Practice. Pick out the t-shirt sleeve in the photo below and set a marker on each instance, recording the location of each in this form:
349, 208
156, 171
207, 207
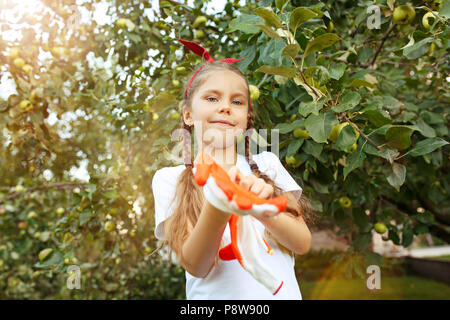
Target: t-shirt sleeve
163, 188
279, 174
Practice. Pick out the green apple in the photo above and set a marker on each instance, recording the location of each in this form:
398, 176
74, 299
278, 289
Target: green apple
13, 53
27, 68
199, 21
121, 23
336, 131
404, 14
45, 253
67, 237
22, 225
436, 4
345, 202
199, 34
426, 19
56, 52
60, 211
32, 215
180, 69
330, 27
19, 62
292, 161
175, 116
155, 116
301, 133
431, 49
25, 104
176, 83
380, 227
109, 226
254, 92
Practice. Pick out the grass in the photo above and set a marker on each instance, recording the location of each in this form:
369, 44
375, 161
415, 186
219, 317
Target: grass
444, 257
392, 288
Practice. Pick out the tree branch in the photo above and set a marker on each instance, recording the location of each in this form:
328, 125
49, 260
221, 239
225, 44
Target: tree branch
386, 35
61, 185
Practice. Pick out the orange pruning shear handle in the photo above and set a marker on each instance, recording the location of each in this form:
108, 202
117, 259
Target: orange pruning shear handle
246, 238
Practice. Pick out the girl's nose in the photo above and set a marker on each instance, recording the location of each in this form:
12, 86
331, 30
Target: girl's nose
225, 108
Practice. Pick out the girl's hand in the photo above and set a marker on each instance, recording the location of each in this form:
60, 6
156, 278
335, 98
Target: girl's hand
252, 183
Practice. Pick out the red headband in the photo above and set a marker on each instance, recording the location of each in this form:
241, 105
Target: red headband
202, 52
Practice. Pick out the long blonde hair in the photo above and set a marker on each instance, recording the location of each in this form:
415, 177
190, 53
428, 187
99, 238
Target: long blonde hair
189, 196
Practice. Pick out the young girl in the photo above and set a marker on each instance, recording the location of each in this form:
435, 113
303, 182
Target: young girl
217, 105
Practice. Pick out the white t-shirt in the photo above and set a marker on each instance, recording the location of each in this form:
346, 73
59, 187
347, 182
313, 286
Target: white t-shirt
228, 280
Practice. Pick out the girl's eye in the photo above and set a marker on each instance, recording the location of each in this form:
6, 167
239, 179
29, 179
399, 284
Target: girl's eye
216, 99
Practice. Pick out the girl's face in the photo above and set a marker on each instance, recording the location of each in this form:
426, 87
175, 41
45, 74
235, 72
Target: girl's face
219, 110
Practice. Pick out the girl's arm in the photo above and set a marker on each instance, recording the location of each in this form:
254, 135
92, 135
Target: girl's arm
200, 249
293, 233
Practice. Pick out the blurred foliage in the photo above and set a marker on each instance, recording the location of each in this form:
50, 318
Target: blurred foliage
110, 91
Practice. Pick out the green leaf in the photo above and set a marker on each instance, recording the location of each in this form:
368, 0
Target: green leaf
378, 117
313, 148
362, 220
373, 258
346, 138
85, 216
319, 126
425, 129
269, 32
354, 161
425, 217
308, 107
273, 106
361, 83
111, 194
321, 42
445, 9
247, 23
393, 235
56, 258
385, 152
348, 101
399, 137
280, 4
294, 146
288, 127
427, 146
270, 17
407, 237
309, 88
280, 70
362, 241
319, 72
291, 50
299, 16
397, 176
418, 49
337, 70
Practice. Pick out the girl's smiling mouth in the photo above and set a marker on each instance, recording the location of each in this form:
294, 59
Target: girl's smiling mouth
223, 122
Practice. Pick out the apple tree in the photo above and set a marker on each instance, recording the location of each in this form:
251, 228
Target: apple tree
358, 94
